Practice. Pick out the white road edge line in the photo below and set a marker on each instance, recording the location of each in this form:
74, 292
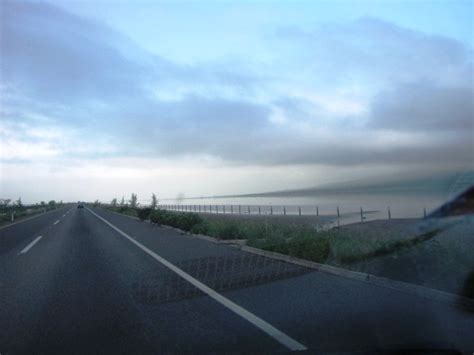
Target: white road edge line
56, 222
276, 334
29, 246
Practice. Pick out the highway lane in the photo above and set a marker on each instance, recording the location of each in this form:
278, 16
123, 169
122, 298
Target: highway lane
20, 232
83, 287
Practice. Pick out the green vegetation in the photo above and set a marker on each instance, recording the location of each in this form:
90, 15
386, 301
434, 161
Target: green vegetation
181, 220
154, 201
19, 210
133, 201
347, 249
335, 246
144, 213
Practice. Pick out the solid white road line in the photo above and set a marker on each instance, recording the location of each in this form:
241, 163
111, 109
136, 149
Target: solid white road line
276, 334
29, 246
56, 222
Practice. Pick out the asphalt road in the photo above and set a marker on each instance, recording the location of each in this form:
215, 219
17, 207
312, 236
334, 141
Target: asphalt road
99, 282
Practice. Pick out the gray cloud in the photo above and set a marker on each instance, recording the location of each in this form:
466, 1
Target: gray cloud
424, 106
52, 55
80, 73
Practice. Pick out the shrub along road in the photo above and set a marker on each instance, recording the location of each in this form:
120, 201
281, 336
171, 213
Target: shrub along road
97, 282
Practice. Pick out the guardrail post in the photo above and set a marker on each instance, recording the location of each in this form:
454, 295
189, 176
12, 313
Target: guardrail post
299, 210
284, 210
389, 213
259, 210
361, 215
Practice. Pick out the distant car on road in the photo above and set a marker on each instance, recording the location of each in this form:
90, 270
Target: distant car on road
80, 205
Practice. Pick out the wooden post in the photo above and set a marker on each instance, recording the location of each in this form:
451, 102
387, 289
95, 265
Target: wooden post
271, 210
338, 214
284, 210
424, 212
317, 211
389, 213
299, 210
361, 215
259, 210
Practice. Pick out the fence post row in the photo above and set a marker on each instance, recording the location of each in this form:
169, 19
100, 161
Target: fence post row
203, 208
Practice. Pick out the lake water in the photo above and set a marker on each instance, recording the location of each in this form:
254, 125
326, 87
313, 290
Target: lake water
374, 205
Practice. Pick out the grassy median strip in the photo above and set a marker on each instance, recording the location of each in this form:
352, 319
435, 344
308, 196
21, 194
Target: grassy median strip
337, 245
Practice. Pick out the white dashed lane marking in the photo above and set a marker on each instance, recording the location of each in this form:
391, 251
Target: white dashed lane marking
29, 246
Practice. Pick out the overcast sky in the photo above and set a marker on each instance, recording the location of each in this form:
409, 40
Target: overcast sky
101, 99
